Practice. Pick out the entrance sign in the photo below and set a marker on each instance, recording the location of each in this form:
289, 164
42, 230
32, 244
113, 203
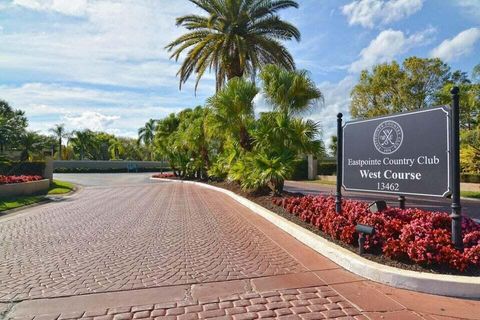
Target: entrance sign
403, 154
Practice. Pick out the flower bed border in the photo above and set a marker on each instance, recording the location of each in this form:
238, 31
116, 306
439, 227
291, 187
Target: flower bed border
24, 188
439, 284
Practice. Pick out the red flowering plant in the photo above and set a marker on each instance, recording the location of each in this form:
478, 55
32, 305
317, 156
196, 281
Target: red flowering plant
18, 179
414, 235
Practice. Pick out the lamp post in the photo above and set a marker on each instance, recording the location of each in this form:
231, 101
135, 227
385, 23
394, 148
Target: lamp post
338, 197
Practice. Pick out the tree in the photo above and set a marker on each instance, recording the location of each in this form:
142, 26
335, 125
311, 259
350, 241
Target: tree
146, 134
83, 143
13, 124
116, 148
469, 103
392, 88
236, 38
59, 132
476, 73
232, 110
290, 92
333, 145
31, 143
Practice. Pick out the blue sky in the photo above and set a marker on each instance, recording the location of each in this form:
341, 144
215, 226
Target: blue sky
101, 64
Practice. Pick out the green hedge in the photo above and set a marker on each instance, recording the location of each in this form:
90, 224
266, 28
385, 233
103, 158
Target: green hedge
14, 168
301, 171
470, 177
327, 169
108, 170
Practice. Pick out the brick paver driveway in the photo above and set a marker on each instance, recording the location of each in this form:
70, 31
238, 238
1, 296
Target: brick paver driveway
149, 250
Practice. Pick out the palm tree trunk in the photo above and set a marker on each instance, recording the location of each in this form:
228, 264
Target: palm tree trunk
245, 139
60, 149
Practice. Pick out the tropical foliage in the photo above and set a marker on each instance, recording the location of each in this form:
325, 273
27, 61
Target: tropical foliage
234, 38
225, 139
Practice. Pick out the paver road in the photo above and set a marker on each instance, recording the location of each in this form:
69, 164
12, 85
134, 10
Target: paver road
131, 237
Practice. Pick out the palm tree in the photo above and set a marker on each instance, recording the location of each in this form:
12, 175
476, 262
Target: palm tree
146, 134
31, 143
59, 132
233, 109
116, 148
82, 143
290, 92
236, 38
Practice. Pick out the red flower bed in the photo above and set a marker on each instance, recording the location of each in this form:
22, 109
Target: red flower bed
164, 175
18, 179
415, 235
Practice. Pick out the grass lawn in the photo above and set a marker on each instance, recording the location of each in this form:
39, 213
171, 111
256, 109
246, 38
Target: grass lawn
466, 194
57, 188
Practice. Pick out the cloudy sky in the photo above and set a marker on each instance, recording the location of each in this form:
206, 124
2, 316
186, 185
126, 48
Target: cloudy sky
101, 64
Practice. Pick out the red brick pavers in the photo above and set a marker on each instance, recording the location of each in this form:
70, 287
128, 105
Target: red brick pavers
122, 238
174, 251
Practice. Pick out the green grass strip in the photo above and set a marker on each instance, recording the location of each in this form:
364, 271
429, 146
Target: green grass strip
56, 188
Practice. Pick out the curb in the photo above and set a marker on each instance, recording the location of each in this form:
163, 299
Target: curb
446, 285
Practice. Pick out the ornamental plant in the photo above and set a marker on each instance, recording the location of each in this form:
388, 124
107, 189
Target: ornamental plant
409, 235
164, 175
18, 179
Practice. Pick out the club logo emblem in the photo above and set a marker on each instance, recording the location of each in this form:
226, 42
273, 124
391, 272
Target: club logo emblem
388, 137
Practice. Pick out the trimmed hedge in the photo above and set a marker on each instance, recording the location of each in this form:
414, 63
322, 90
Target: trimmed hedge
301, 170
35, 168
470, 177
108, 170
327, 168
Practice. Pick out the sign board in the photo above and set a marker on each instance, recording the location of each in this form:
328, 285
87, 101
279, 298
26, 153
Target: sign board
404, 154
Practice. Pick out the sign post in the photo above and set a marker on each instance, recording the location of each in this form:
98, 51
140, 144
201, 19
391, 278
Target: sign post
456, 207
338, 197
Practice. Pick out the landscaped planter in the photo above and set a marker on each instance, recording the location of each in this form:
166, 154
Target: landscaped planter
24, 188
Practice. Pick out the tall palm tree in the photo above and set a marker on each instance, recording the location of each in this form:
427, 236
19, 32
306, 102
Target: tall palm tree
290, 92
235, 38
146, 134
59, 132
233, 109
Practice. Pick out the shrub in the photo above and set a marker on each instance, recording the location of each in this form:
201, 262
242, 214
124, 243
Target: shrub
327, 168
35, 168
470, 177
415, 235
107, 170
18, 179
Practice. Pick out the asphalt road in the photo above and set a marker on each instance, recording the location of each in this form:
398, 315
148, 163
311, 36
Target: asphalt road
470, 208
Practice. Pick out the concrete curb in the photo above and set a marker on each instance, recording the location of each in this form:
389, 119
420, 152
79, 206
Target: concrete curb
447, 285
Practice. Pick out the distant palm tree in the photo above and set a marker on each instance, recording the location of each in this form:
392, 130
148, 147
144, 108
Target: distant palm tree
146, 134
82, 142
59, 132
236, 38
116, 148
31, 143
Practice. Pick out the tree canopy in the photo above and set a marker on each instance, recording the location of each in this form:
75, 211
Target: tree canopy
234, 38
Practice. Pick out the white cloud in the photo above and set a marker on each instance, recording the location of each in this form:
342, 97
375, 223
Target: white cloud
368, 13
67, 7
470, 7
387, 45
460, 45
90, 120
337, 99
